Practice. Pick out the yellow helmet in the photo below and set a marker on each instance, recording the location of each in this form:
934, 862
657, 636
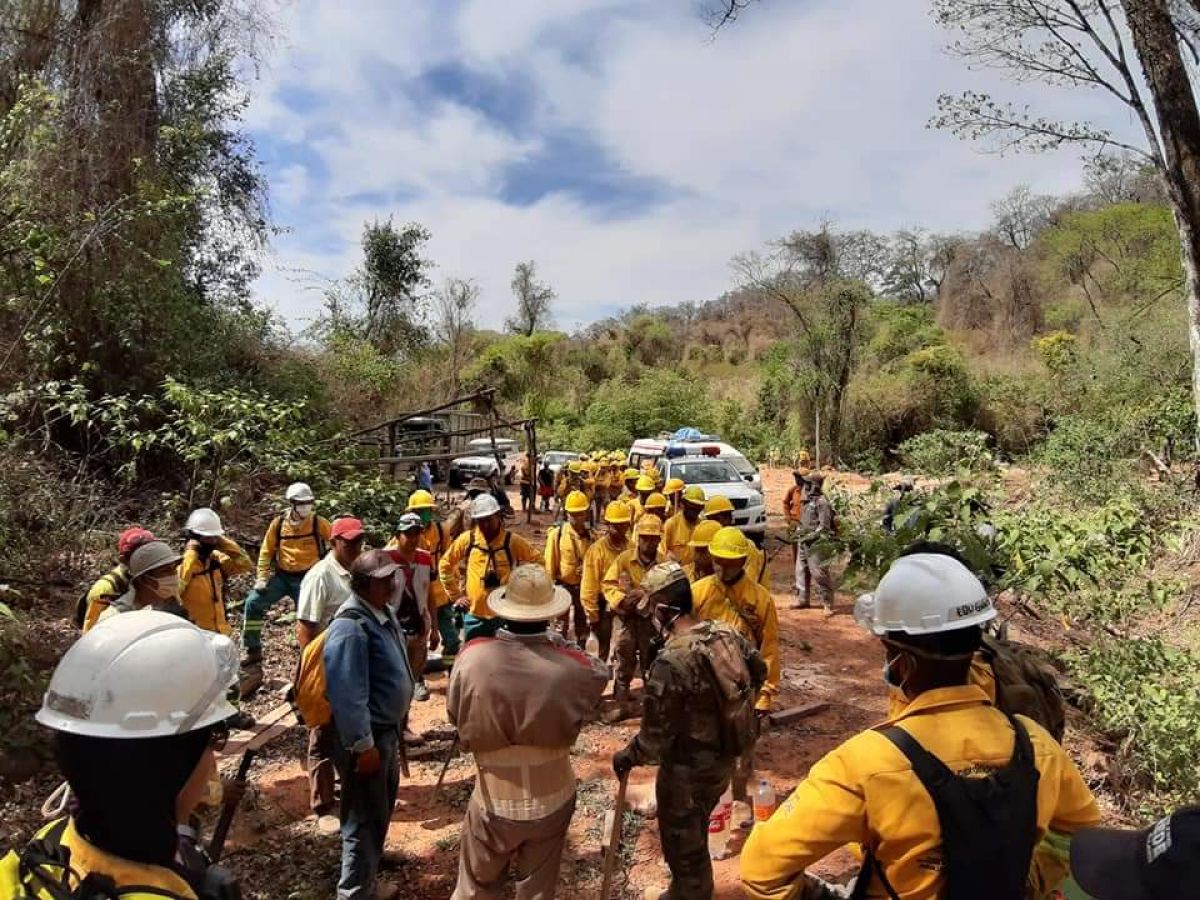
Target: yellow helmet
645, 483
574, 467
703, 533
729, 543
717, 505
590, 467
630, 473
649, 526
421, 500
577, 502
656, 501
694, 494
618, 513
674, 486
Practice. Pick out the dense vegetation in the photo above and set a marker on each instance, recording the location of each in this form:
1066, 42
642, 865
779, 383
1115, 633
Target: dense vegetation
138, 378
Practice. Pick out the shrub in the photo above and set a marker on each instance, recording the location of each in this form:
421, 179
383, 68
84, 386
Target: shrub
943, 452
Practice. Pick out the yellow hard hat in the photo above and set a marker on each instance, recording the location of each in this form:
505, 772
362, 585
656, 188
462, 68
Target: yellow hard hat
630, 473
729, 543
590, 467
694, 494
802, 456
577, 502
717, 505
645, 483
574, 467
421, 500
618, 513
674, 486
703, 533
649, 526
656, 501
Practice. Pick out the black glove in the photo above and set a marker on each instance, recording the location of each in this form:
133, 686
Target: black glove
622, 762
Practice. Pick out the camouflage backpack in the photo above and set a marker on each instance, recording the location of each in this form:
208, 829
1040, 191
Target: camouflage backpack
1026, 683
734, 687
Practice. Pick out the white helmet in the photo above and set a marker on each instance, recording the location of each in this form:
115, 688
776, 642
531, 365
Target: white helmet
299, 493
204, 522
145, 674
483, 506
925, 593
150, 556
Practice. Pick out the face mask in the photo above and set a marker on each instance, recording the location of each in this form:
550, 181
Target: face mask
426, 516
304, 510
164, 586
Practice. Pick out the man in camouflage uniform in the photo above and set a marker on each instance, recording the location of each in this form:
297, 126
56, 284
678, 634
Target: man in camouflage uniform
683, 729
816, 523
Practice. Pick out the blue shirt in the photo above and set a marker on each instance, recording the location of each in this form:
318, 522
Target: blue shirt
368, 680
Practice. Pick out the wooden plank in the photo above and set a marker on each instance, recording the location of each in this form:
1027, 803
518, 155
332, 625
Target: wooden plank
795, 713
266, 729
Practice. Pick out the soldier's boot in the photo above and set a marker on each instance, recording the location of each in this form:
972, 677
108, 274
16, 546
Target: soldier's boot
622, 706
251, 677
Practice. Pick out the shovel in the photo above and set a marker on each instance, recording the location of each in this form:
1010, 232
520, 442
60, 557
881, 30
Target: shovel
613, 851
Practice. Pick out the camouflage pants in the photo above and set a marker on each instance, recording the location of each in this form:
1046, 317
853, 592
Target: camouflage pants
812, 569
631, 646
686, 797
582, 630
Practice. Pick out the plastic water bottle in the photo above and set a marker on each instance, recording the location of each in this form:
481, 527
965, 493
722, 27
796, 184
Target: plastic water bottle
718, 827
764, 801
593, 645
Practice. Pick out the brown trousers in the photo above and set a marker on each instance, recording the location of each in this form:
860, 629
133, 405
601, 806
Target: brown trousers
417, 646
489, 843
322, 773
582, 631
632, 635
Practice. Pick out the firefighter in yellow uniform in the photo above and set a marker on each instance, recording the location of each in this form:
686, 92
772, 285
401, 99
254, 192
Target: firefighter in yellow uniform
596, 562
603, 485
875, 789
435, 540
633, 630
677, 532
629, 480
720, 509
210, 558
642, 490
732, 597
673, 490
567, 545
702, 563
489, 552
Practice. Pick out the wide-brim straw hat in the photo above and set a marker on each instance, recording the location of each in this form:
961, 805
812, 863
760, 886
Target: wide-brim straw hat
529, 596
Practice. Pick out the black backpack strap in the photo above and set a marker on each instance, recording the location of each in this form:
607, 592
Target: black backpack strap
928, 768
316, 536
508, 550
871, 866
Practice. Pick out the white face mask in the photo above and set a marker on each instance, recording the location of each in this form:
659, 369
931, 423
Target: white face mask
165, 586
303, 510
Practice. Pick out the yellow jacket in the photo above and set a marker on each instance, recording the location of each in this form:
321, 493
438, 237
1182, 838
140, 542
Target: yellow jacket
626, 564
756, 564
748, 608
565, 552
101, 594
87, 859
202, 583
865, 792
596, 562
480, 557
676, 533
435, 539
292, 547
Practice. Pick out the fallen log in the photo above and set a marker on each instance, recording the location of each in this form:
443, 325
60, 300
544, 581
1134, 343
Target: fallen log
795, 713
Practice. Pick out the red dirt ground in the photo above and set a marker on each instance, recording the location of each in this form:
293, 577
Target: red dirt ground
829, 660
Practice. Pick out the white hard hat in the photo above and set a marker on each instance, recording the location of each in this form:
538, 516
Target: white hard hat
925, 593
483, 506
150, 556
204, 522
299, 493
141, 675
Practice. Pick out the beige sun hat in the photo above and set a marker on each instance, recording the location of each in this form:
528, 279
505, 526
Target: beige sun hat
529, 596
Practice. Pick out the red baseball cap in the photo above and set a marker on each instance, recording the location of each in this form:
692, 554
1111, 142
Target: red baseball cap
348, 528
132, 538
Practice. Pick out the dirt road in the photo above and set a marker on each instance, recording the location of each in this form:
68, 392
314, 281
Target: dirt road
277, 850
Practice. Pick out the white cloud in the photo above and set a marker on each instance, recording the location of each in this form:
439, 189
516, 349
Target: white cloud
798, 112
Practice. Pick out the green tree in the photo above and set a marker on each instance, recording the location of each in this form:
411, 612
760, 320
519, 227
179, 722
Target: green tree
534, 299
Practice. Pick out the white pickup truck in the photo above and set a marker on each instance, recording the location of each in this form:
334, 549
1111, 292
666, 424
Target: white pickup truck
480, 461
718, 477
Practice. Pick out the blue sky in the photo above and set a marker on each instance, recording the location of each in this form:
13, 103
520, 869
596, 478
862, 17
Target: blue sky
614, 142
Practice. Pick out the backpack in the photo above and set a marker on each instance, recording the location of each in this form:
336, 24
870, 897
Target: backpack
117, 579
315, 535
988, 824
310, 700
42, 871
734, 689
1026, 684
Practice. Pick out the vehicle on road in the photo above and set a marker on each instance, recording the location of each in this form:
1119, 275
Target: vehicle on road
480, 461
557, 459
718, 477
695, 444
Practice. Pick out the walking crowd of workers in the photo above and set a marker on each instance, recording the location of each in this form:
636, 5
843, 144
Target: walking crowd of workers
953, 796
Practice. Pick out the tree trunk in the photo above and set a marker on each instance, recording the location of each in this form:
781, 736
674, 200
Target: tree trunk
1157, 46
